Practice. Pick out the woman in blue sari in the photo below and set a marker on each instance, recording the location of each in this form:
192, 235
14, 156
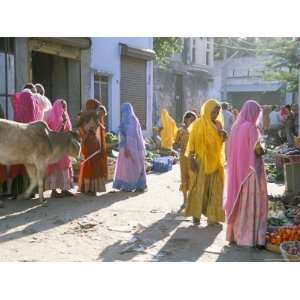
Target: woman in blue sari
130, 174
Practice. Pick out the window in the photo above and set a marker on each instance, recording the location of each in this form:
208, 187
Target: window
101, 88
194, 51
207, 58
194, 55
7, 74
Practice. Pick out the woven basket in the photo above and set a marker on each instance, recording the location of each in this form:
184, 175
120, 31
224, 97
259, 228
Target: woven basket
111, 165
286, 256
273, 248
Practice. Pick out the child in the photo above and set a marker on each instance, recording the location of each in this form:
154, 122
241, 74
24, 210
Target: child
181, 141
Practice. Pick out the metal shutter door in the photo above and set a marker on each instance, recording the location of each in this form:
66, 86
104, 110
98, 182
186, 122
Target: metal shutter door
133, 86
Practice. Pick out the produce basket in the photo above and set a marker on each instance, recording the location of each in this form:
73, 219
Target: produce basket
287, 248
273, 248
111, 165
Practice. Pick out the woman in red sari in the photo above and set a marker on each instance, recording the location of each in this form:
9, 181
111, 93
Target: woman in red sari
93, 170
60, 174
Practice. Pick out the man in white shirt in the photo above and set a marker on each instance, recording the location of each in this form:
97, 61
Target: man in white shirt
275, 125
228, 122
275, 119
228, 117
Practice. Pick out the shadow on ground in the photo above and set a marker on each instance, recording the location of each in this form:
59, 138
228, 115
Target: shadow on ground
56, 213
247, 254
188, 244
147, 238
180, 246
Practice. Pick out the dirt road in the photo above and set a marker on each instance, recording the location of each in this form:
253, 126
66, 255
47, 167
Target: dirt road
115, 227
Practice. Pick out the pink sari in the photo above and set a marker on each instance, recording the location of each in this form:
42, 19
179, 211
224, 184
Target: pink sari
245, 201
26, 107
55, 123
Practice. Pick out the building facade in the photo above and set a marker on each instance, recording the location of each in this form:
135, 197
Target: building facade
238, 79
61, 65
122, 71
185, 82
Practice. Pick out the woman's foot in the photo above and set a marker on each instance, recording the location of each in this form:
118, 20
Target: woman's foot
55, 194
67, 193
196, 221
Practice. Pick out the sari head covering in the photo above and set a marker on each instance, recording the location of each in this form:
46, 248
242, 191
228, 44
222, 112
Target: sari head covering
55, 116
241, 152
130, 171
26, 107
130, 130
92, 104
205, 140
168, 133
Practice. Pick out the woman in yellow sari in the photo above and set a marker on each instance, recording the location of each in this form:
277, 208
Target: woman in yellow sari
168, 130
206, 154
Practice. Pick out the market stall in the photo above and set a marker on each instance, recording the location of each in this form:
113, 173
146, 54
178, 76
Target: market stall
283, 235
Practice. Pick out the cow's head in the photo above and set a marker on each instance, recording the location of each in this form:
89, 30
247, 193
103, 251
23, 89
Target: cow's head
74, 144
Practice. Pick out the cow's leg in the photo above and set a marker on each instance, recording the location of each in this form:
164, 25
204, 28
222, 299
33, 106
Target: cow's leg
31, 171
40, 181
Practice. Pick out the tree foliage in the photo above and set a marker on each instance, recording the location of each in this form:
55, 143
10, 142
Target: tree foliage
227, 46
282, 60
281, 55
165, 47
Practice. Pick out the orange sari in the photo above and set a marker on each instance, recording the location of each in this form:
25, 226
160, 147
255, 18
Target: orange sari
93, 172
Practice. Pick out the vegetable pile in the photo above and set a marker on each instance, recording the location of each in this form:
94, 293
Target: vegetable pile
283, 235
111, 138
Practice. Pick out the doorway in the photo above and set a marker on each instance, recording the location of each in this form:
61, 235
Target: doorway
60, 77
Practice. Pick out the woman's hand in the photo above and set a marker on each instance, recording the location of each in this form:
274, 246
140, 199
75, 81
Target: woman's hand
223, 134
194, 164
259, 149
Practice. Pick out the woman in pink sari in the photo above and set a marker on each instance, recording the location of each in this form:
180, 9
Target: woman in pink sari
60, 174
246, 203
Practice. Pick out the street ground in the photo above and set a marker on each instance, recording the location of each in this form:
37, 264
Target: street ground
117, 226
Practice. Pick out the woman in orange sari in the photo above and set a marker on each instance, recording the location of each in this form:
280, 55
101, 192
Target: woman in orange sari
93, 170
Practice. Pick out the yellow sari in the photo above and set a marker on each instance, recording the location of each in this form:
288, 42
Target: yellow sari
206, 191
169, 130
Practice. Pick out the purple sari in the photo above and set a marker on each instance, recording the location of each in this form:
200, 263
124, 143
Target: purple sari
130, 174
